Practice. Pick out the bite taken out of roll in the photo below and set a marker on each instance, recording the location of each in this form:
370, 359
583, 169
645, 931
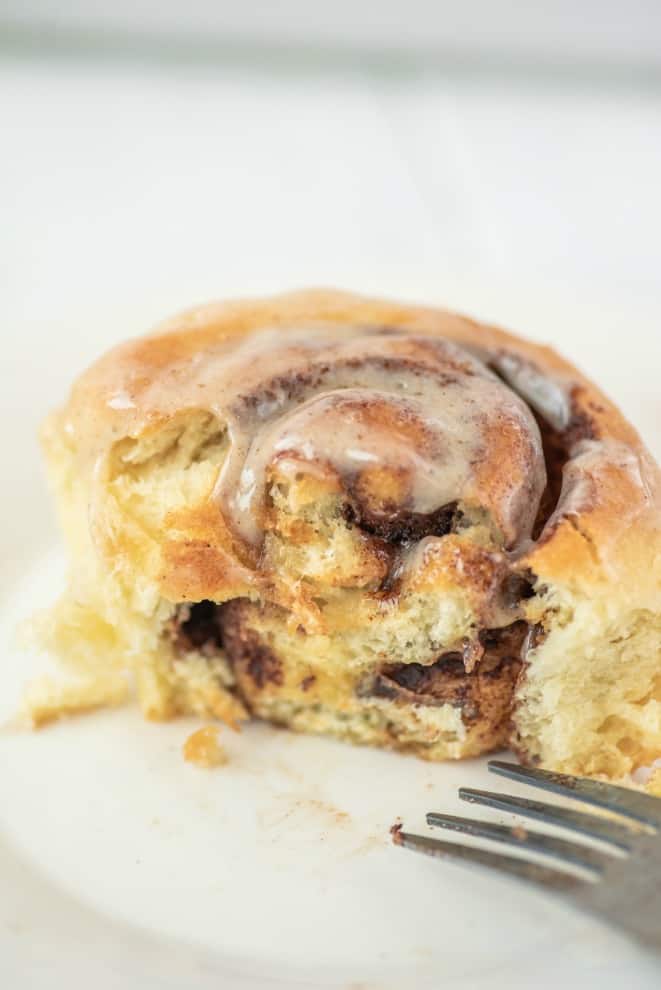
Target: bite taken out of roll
382, 522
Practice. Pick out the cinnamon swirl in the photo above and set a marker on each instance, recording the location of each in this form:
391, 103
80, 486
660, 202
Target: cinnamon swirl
390, 524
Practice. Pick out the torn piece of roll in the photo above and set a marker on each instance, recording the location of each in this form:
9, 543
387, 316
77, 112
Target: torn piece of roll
382, 522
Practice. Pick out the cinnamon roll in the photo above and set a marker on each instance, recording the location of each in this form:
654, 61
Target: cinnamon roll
390, 524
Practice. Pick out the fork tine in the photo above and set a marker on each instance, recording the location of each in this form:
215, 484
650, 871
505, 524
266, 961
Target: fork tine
595, 827
522, 869
535, 842
630, 804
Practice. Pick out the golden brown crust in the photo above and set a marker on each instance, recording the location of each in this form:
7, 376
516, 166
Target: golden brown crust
622, 484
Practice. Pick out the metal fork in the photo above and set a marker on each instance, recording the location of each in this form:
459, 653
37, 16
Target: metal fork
621, 882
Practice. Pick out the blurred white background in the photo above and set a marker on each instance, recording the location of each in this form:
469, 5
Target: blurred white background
619, 31
497, 156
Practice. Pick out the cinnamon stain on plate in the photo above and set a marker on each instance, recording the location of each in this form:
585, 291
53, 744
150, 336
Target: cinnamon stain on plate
312, 813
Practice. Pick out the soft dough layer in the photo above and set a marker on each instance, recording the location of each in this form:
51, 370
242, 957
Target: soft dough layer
386, 523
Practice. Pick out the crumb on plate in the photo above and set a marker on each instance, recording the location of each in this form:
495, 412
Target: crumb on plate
203, 749
395, 831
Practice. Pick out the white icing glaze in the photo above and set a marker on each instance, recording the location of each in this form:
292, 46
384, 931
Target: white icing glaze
405, 424
546, 395
343, 401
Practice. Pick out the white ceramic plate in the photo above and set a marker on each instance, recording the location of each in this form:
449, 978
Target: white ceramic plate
122, 865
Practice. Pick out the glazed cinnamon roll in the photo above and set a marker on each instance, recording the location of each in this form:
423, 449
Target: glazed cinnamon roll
385, 523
